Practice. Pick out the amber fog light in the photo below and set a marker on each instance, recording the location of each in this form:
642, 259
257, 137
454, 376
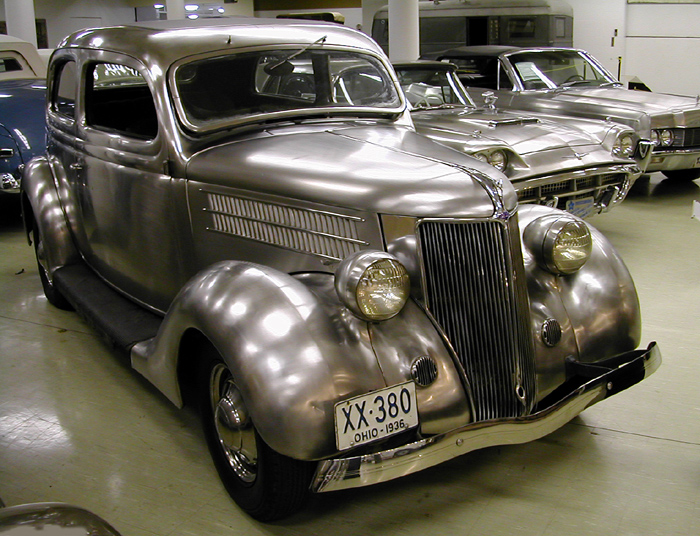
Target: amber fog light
560, 243
372, 284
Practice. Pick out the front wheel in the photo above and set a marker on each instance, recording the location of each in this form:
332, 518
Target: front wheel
683, 174
264, 483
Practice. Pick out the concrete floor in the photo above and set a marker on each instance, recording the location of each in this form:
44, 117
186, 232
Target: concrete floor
78, 426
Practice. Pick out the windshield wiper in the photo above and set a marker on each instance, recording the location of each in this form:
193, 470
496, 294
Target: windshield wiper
282, 67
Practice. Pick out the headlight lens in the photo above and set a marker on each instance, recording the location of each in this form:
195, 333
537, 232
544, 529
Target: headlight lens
624, 146
666, 137
560, 243
497, 159
655, 139
372, 284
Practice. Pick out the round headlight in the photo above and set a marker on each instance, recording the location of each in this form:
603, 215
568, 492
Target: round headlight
560, 243
655, 138
624, 146
666, 137
498, 160
481, 156
372, 284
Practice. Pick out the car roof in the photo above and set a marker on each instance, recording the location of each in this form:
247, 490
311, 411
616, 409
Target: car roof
481, 50
32, 66
164, 42
422, 64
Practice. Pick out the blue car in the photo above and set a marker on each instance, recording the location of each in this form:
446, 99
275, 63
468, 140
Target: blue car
22, 100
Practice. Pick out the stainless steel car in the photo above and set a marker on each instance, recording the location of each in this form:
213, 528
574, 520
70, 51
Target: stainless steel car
579, 165
346, 300
571, 82
22, 96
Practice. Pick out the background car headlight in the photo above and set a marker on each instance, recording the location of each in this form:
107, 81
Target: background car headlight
372, 284
561, 244
497, 158
664, 137
624, 146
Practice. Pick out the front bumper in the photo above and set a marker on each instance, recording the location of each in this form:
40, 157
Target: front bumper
591, 383
674, 160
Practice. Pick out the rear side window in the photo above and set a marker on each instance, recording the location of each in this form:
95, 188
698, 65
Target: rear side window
9, 64
65, 89
118, 99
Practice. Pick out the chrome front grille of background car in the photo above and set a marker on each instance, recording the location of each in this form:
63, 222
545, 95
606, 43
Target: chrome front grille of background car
567, 188
475, 289
328, 235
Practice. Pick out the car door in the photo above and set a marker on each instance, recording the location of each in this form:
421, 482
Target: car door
117, 182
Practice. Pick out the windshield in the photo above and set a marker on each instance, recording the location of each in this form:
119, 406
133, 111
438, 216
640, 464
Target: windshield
557, 68
430, 88
259, 86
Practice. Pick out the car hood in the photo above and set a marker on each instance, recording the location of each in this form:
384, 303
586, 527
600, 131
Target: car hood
619, 104
375, 168
522, 133
22, 109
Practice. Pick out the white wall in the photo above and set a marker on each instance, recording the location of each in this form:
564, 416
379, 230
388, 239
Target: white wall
658, 43
66, 16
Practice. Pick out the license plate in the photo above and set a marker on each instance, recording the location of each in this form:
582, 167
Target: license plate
380, 414
581, 207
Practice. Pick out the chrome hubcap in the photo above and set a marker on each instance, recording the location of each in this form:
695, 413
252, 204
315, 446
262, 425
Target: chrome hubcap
233, 427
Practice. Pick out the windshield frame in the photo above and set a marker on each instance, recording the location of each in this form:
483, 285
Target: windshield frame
509, 63
450, 71
330, 112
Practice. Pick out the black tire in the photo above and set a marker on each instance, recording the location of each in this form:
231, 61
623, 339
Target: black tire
265, 484
52, 294
683, 174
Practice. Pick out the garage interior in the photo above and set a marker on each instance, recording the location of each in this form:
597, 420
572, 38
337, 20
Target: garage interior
79, 426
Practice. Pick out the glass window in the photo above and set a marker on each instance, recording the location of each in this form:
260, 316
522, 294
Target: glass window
118, 99
551, 69
235, 87
65, 89
9, 64
521, 27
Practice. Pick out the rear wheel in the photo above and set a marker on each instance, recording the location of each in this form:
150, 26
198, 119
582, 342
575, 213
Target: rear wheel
264, 483
683, 174
52, 294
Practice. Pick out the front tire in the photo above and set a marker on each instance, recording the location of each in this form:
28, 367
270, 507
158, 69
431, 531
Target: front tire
265, 484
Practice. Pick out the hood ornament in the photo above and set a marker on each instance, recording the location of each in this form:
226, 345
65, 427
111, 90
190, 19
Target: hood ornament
489, 100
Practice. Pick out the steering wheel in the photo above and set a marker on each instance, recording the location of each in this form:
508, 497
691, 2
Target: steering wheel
575, 77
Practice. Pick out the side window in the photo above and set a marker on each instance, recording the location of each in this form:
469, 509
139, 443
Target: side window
118, 99
65, 89
504, 81
9, 64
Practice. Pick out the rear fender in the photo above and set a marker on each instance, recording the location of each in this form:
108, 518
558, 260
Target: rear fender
41, 206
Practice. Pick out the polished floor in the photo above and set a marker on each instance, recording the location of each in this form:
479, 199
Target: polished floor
78, 426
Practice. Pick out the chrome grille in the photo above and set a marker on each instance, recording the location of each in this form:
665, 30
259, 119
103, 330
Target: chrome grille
475, 289
570, 188
327, 235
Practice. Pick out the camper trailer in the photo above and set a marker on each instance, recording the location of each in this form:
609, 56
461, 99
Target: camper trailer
449, 24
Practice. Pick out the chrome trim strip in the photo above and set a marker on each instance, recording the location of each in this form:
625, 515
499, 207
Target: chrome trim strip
358, 471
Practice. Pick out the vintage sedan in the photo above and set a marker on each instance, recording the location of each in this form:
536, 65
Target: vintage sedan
345, 299
579, 165
571, 82
22, 108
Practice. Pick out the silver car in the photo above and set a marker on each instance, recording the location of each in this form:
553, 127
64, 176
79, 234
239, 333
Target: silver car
579, 165
566, 81
345, 300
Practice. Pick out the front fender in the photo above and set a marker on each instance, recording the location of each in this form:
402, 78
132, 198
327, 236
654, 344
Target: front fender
290, 359
295, 351
41, 206
597, 307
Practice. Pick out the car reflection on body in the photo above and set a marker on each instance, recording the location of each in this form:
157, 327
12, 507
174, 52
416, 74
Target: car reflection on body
583, 166
571, 82
22, 96
346, 300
